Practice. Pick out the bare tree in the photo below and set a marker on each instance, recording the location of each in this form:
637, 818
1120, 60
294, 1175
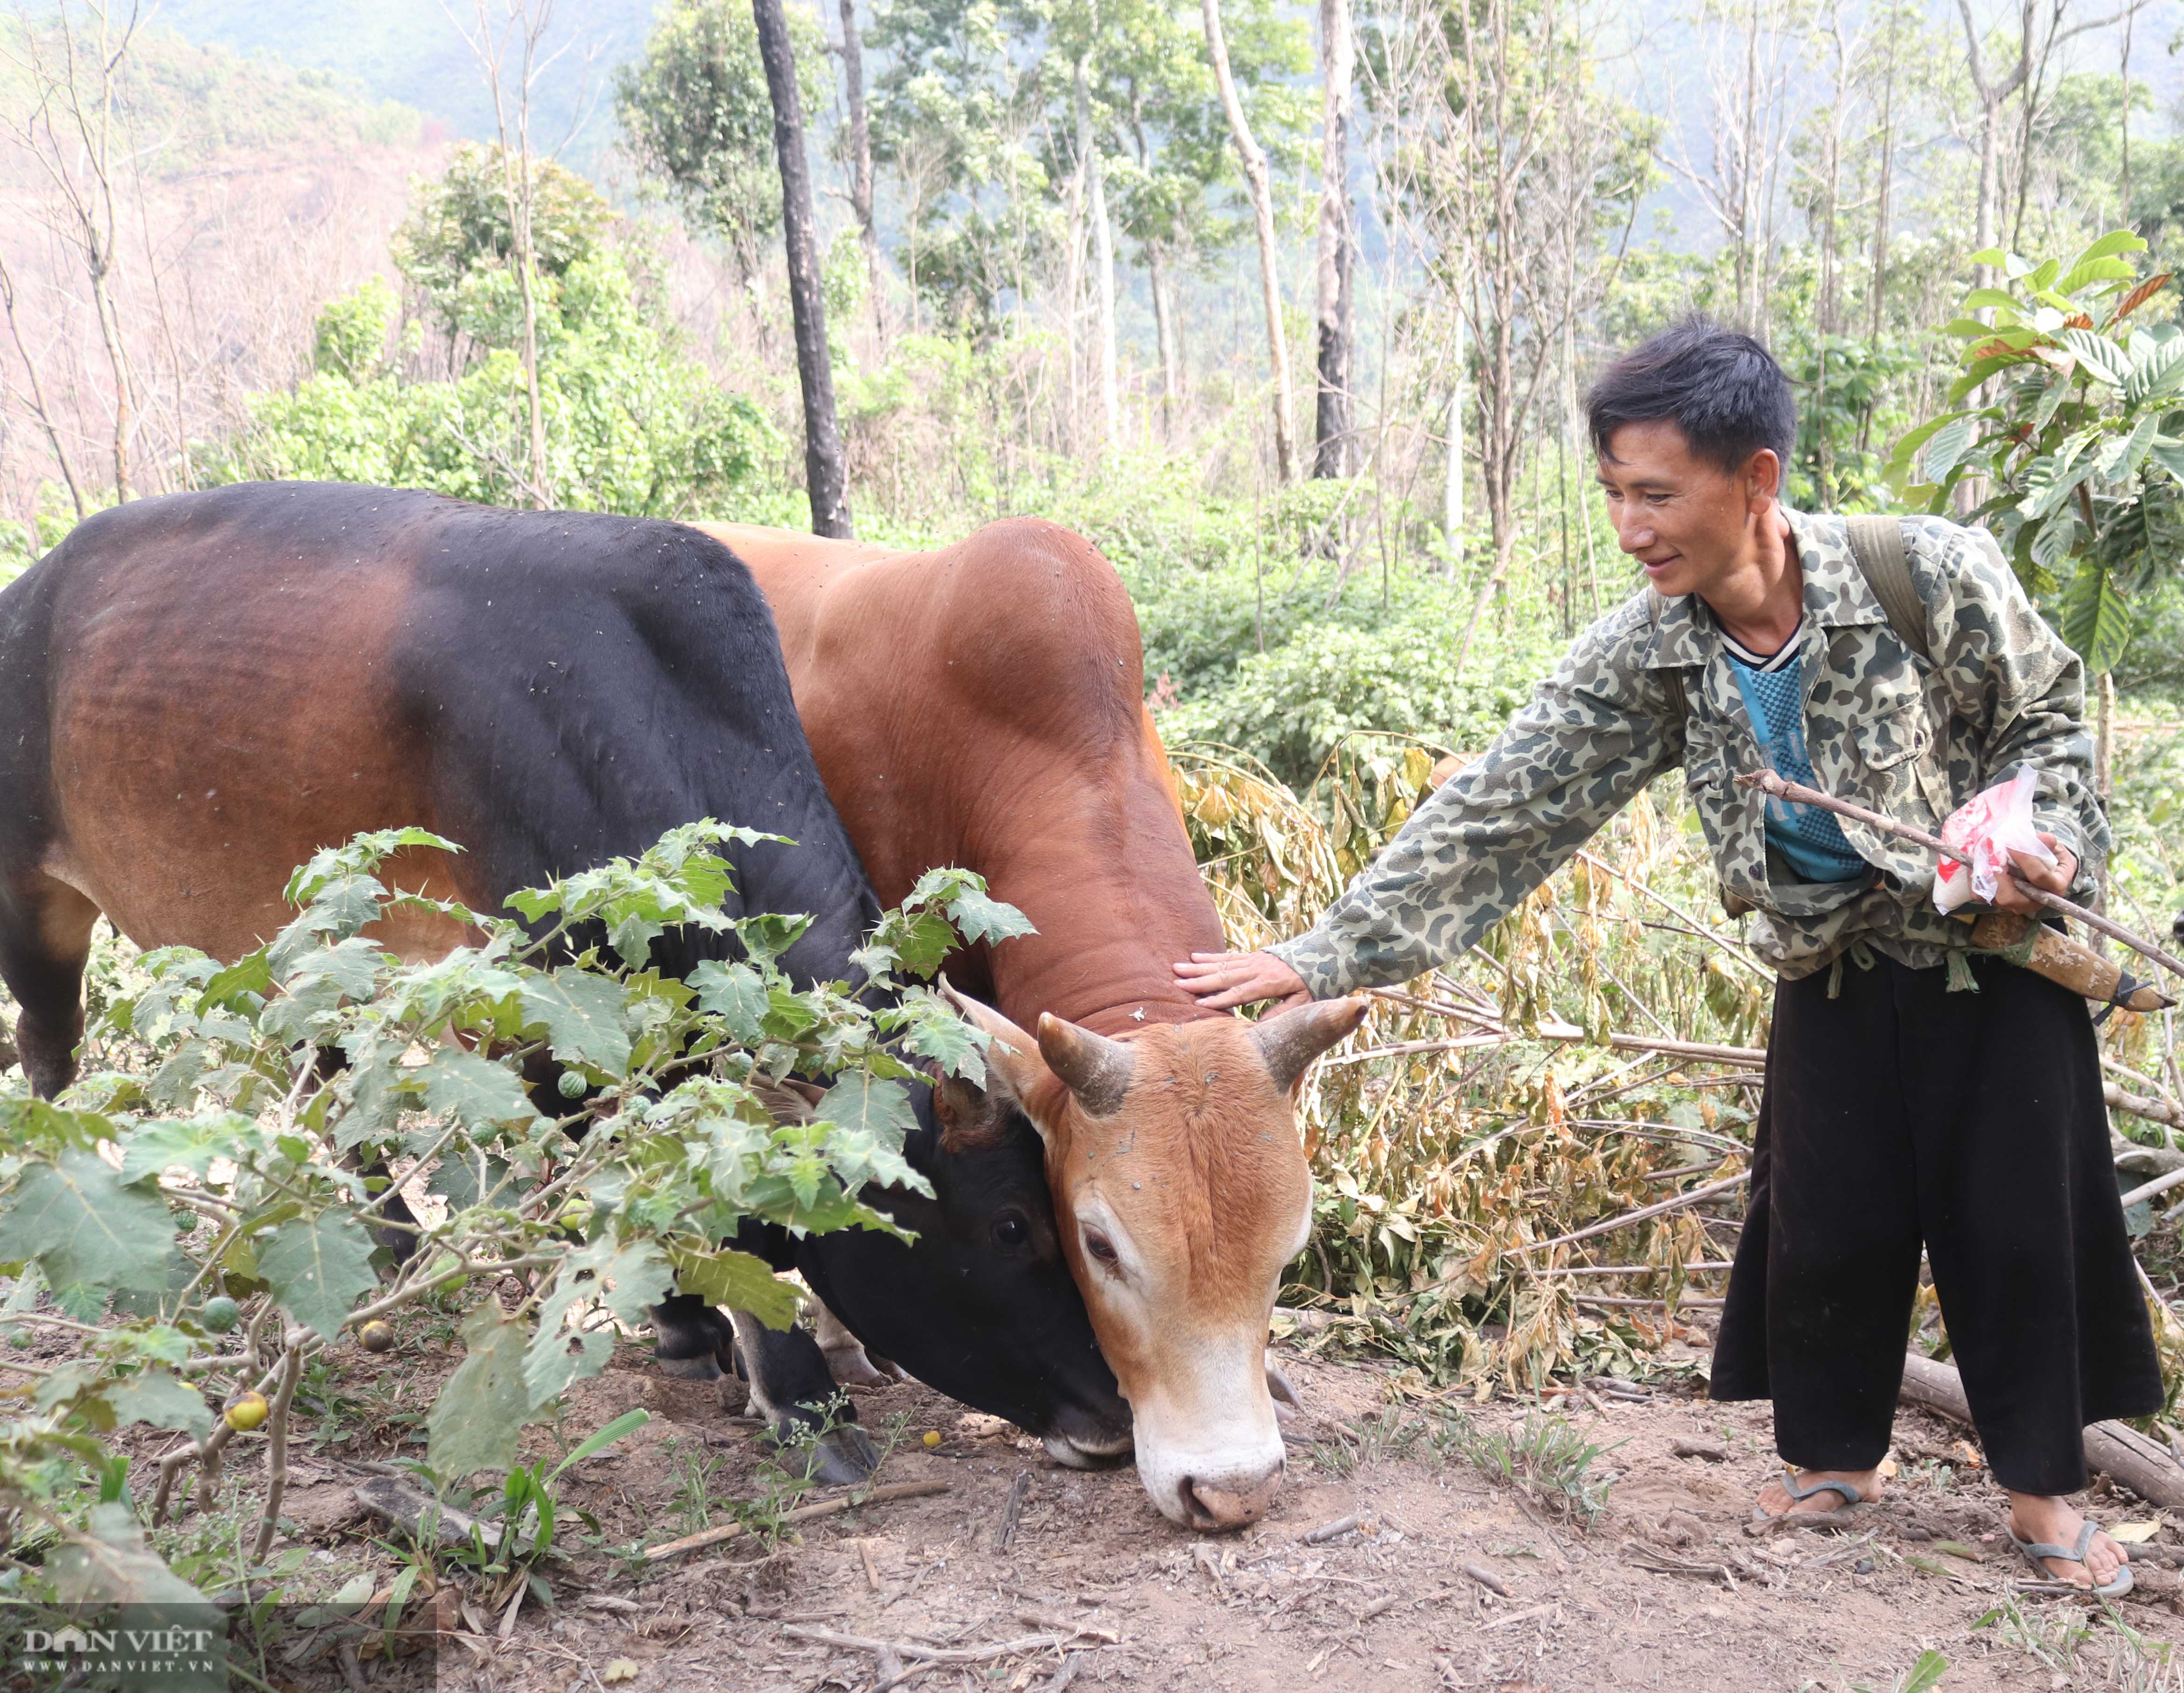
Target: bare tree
520, 26
69, 124
1526, 160
1333, 418
2040, 30
826, 475
1103, 262
860, 161
1262, 209
1750, 109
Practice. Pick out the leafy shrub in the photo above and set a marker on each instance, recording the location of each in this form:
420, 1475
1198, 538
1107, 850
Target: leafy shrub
1292, 705
234, 1152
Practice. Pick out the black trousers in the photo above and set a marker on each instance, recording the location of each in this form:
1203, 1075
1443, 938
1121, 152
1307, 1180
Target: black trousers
1899, 1113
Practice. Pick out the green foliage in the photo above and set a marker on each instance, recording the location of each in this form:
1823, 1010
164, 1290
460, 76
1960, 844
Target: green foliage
459, 238
630, 427
2080, 440
1330, 671
602, 1203
698, 116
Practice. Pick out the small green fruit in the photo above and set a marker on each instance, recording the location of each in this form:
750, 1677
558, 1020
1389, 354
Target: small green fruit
221, 1315
19, 1340
572, 1083
247, 1413
375, 1337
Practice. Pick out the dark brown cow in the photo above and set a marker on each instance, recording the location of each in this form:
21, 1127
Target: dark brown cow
199, 692
981, 706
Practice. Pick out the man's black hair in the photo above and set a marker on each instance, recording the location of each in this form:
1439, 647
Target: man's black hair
1723, 389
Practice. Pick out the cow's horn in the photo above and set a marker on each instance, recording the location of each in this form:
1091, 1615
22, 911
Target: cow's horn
1096, 1069
1289, 1040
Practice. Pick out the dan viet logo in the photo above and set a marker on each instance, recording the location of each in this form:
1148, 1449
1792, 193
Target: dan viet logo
138, 1652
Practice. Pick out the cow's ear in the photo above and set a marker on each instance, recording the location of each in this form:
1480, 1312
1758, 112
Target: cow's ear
972, 1118
1016, 1075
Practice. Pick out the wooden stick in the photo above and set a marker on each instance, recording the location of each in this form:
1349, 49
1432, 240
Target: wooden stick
828, 1637
803, 1513
1495, 1032
1642, 1214
1797, 793
1007, 1531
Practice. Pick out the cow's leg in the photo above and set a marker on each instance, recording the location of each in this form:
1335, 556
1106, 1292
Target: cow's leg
847, 1361
691, 1340
45, 941
791, 1388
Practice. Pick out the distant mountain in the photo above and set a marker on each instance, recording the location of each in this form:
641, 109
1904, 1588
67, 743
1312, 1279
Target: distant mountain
411, 51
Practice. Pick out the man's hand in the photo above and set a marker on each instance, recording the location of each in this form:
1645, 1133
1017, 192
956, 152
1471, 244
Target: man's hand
2055, 878
1221, 980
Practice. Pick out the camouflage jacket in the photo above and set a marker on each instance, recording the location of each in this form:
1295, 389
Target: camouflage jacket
1910, 740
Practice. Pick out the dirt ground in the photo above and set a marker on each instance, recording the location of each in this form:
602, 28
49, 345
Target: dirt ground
1449, 1578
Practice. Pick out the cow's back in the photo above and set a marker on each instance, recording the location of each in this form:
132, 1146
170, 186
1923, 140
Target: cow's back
980, 705
213, 685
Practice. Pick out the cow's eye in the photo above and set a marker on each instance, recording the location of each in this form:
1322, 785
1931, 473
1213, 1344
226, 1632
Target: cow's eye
1011, 1231
1102, 1250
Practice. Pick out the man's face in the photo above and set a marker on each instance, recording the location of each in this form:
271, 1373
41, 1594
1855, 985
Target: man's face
1687, 521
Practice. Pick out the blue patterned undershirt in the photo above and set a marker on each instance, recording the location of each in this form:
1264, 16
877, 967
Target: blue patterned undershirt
1810, 839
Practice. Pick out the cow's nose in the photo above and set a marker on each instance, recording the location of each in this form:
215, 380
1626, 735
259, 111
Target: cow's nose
1213, 1508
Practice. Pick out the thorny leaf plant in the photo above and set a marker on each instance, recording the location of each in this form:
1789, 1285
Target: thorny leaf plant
227, 1166
2068, 418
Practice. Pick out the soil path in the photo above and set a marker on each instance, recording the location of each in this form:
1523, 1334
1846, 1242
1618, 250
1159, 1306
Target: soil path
1449, 1578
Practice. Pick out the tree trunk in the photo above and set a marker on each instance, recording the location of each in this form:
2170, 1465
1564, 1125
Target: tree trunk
1262, 207
1878, 304
1452, 496
861, 161
1163, 332
823, 470
1333, 419
519, 202
1073, 275
1103, 264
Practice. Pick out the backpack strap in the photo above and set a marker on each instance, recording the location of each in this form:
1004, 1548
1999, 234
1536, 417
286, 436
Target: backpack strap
1877, 544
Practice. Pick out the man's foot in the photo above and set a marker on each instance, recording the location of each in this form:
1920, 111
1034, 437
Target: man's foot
2050, 1519
1775, 1500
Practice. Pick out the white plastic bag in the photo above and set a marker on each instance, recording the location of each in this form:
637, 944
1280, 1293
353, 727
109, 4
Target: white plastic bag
1988, 826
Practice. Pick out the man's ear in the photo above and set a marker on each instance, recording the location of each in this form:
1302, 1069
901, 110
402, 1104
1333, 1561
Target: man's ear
1763, 476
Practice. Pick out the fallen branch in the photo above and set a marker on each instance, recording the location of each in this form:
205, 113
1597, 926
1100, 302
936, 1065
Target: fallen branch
1493, 1030
803, 1513
2159, 1185
1797, 793
2116, 1449
908, 1649
1678, 1202
1615, 1298
2138, 1105
1006, 1531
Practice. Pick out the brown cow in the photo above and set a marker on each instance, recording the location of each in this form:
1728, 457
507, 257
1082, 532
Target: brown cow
982, 706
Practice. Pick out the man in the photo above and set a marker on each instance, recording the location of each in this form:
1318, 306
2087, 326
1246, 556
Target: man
1922, 1094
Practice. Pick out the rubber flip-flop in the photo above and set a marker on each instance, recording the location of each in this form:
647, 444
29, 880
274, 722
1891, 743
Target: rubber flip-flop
1847, 1491
2049, 1582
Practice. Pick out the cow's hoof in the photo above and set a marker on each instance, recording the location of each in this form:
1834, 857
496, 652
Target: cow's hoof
1287, 1405
852, 1365
841, 1458
690, 1369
